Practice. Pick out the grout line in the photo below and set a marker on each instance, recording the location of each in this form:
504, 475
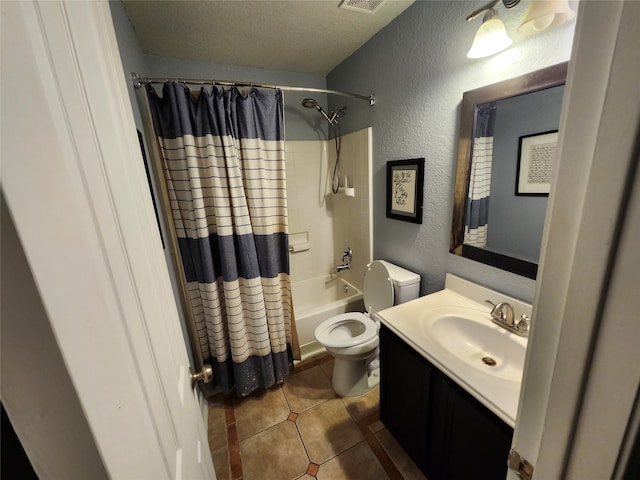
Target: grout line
306, 452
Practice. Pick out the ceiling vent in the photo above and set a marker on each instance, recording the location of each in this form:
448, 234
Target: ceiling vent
364, 6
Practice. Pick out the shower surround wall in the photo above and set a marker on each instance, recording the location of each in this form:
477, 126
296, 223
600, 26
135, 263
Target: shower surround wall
331, 221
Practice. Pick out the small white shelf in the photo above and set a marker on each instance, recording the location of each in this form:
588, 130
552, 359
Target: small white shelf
348, 191
299, 242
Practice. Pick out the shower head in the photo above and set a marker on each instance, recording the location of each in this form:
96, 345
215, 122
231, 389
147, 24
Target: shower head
312, 103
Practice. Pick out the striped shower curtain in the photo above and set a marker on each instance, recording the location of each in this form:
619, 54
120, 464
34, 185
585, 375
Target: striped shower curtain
224, 166
477, 210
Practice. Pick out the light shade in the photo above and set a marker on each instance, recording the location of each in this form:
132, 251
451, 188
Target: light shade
490, 38
545, 14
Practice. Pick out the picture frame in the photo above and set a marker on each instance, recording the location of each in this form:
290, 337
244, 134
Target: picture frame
535, 160
405, 182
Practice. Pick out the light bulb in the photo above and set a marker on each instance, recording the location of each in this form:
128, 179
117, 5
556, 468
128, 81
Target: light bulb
490, 38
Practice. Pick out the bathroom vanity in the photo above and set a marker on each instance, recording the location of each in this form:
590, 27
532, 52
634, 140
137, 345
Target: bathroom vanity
445, 431
450, 411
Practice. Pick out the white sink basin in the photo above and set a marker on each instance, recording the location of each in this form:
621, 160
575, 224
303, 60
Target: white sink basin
470, 336
453, 330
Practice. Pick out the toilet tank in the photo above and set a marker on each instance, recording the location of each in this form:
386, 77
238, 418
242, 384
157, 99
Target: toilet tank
406, 284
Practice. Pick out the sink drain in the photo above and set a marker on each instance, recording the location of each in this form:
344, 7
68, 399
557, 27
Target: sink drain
489, 361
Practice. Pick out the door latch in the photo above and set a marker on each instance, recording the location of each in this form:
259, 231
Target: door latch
520, 465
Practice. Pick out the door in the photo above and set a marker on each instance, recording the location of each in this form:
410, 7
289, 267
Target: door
581, 379
74, 183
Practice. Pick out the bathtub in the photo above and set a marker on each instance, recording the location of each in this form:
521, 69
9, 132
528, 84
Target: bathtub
315, 300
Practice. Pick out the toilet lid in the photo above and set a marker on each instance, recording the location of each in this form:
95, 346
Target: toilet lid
378, 288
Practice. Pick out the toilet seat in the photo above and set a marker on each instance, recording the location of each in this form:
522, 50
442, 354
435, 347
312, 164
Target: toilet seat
352, 337
346, 330
354, 328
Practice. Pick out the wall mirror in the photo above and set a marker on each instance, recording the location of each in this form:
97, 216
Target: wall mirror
495, 220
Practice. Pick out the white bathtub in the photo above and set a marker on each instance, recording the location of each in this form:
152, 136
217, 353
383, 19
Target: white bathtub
317, 299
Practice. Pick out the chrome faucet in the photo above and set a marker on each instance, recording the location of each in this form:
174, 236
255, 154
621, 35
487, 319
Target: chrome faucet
502, 314
498, 312
347, 255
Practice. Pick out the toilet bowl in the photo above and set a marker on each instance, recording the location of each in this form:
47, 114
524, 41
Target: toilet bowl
351, 334
352, 337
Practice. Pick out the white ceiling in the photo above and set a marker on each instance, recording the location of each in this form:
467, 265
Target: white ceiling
305, 36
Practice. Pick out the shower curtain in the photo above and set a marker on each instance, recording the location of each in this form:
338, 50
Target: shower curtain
477, 211
223, 161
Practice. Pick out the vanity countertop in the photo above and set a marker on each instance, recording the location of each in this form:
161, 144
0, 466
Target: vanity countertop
498, 388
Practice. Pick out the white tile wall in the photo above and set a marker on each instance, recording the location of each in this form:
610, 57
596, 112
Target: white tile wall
332, 221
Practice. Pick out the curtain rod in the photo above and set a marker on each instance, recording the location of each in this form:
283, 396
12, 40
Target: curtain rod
138, 81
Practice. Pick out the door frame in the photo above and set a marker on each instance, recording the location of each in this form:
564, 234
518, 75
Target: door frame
74, 182
573, 330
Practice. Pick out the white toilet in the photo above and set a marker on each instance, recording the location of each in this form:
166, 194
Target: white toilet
352, 338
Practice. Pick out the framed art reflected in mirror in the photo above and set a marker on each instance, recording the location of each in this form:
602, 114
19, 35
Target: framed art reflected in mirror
535, 160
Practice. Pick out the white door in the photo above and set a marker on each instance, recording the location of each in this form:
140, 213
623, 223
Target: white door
74, 182
583, 364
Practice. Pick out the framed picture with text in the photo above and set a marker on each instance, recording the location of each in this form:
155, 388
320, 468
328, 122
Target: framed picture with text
405, 180
535, 160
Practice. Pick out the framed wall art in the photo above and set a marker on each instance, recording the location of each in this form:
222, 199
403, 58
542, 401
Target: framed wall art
535, 160
405, 180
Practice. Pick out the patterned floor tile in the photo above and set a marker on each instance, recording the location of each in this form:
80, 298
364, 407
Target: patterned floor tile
327, 430
216, 420
307, 389
274, 454
363, 405
357, 462
317, 434
259, 411
221, 463
398, 456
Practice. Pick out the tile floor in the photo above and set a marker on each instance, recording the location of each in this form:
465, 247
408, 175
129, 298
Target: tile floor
303, 430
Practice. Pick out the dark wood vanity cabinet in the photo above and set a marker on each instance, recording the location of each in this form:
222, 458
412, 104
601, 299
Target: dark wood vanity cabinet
445, 431
405, 380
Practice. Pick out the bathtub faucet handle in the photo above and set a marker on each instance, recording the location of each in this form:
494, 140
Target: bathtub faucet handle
347, 255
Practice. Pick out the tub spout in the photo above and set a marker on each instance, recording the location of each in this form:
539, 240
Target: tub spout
344, 266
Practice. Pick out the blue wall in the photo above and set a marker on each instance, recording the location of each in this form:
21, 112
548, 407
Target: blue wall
516, 222
418, 70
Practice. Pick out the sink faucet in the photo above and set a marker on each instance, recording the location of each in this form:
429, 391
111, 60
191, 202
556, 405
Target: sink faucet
502, 314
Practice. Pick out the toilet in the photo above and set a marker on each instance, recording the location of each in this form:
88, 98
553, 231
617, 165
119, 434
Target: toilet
352, 338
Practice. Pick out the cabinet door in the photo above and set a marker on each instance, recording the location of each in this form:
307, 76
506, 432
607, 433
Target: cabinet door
466, 441
404, 395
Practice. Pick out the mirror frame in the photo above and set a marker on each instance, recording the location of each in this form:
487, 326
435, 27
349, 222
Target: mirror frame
539, 80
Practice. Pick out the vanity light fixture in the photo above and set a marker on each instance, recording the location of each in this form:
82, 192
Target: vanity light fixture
492, 35
545, 14
490, 38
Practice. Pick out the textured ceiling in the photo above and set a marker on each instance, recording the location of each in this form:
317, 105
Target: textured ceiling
305, 36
